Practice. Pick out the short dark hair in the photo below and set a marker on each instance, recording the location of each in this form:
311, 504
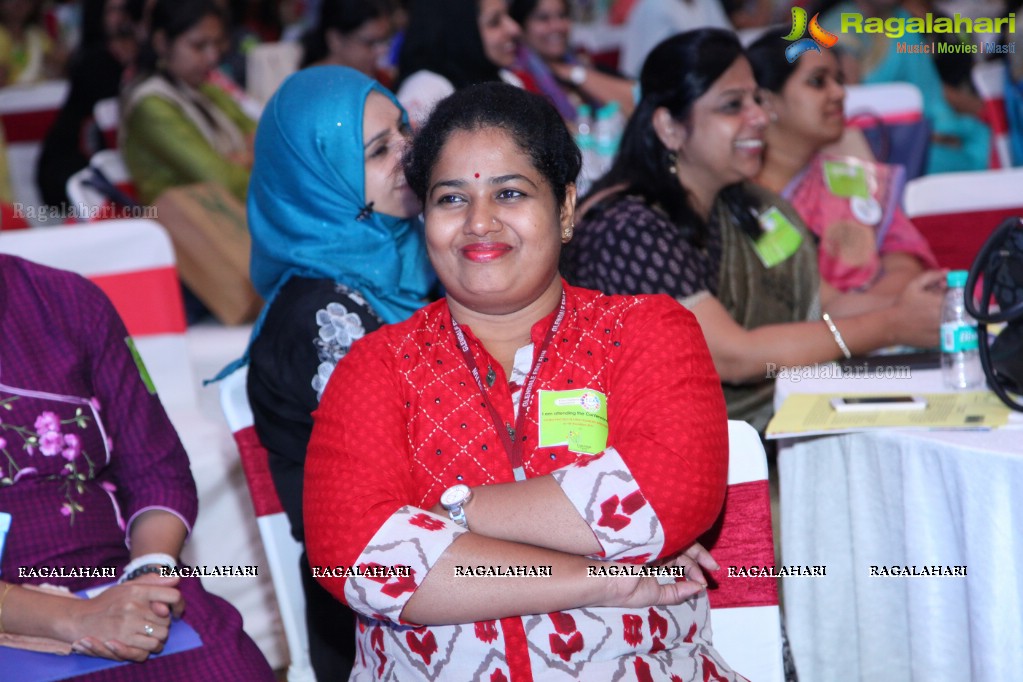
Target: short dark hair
767, 57
519, 10
529, 119
345, 17
676, 73
443, 36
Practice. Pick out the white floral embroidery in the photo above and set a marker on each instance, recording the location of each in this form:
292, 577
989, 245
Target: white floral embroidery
339, 329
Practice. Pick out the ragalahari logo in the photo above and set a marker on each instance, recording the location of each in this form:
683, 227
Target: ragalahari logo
818, 36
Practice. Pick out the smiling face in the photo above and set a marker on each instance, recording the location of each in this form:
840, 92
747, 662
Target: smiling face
193, 55
498, 31
811, 103
493, 226
722, 141
384, 136
546, 29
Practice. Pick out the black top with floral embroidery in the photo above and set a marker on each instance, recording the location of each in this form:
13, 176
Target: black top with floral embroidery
310, 326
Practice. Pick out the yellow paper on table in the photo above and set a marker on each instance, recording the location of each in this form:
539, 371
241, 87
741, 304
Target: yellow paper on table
810, 414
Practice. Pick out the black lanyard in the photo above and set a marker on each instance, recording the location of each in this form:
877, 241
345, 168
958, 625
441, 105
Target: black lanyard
512, 445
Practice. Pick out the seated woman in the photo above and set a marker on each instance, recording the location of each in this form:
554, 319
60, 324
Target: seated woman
176, 128
355, 33
512, 424
27, 53
866, 243
547, 65
450, 44
674, 216
959, 141
95, 478
337, 251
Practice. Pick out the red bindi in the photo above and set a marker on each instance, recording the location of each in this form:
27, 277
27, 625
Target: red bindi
477, 175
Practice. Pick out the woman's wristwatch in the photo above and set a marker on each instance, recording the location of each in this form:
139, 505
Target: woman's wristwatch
454, 500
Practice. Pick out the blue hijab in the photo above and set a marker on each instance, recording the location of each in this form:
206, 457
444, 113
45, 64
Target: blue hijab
307, 205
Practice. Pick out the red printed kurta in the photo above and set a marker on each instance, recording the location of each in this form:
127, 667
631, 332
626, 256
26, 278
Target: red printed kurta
402, 420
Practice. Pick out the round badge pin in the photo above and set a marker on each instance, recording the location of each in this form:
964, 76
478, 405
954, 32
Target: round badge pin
867, 210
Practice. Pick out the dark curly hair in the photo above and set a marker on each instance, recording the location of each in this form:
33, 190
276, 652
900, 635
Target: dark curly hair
529, 119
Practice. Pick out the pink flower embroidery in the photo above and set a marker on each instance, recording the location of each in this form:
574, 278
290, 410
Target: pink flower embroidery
3, 443
73, 449
65, 509
50, 443
24, 472
47, 422
94, 401
108, 486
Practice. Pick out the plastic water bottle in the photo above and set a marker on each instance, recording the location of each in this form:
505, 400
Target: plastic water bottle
587, 147
960, 358
607, 132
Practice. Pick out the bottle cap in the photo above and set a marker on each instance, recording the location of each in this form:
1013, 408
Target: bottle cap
956, 278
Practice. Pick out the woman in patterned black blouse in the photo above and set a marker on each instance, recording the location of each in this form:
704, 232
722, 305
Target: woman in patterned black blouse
337, 251
674, 216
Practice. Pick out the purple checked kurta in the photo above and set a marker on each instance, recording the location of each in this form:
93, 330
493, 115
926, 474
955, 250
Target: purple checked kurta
85, 448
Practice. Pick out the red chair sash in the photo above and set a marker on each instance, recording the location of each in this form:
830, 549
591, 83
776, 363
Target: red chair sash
257, 472
956, 238
134, 294
742, 537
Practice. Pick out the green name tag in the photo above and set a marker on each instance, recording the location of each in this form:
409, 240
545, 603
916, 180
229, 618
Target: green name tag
846, 180
576, 418
779, 240
141, 366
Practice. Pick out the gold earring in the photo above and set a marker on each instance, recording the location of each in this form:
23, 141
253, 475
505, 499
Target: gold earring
566, 234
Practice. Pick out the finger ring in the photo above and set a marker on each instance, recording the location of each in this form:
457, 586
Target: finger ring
148, 630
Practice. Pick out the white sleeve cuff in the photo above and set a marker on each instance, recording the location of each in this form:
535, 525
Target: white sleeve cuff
606, 495
411, 537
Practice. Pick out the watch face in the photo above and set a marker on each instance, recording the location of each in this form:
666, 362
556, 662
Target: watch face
454, 495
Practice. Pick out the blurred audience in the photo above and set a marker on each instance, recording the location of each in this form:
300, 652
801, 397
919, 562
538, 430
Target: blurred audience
354, 33
176, 127
548, 66
651, 21
959, 142
97, 70
450, 44
865, 242
27, 53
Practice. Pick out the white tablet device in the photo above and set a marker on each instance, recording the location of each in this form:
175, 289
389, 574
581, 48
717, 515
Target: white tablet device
878, 403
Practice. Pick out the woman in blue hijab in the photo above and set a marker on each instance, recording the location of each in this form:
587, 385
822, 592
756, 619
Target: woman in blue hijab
337, 251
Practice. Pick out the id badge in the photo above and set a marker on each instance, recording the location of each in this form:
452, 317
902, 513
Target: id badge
5, 525
779, 240
575, 418
846, 180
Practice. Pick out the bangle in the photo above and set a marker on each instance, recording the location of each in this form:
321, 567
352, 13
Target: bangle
838, 336
142, 570
2, 598
157, 558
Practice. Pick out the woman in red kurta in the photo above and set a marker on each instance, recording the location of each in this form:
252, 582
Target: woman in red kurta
571, 436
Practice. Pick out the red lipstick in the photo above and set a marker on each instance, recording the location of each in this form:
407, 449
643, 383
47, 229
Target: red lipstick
484, 252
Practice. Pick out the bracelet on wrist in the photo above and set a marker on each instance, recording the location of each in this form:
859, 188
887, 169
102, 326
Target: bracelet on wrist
837, 335
156, 559
143, 570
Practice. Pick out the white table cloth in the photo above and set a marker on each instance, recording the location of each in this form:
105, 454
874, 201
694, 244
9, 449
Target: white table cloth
899, 498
